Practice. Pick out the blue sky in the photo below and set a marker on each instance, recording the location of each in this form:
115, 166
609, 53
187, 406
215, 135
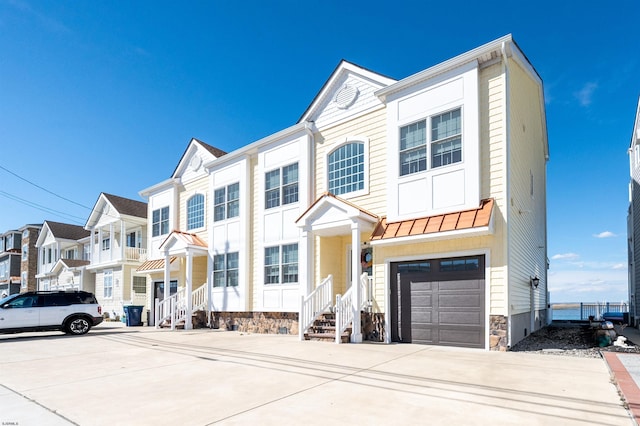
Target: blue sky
105, 95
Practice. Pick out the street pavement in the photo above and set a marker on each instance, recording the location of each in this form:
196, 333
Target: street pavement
118, 375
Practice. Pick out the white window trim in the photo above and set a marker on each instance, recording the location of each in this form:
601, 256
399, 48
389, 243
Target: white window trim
109, 272
338, 144
428, 127
169, 219
186, 212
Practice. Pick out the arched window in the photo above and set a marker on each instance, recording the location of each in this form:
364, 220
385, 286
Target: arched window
195, 212
346, 169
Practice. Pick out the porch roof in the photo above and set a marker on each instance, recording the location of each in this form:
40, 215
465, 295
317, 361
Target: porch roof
153, 265
332, 215
433, 225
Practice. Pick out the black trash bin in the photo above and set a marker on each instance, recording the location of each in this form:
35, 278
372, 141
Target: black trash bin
133, 315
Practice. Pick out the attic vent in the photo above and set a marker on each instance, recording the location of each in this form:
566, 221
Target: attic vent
345, 96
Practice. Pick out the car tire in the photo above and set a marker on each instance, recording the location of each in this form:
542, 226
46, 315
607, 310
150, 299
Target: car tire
77, 326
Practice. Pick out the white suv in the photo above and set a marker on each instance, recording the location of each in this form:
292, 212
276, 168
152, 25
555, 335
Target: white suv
73, 312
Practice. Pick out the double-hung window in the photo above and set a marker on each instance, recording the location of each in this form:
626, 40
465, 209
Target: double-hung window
445, 144
106, 244
225, 270
195, 212
346, 169
108, 284
446, 139
160, 222
226, 202
281, 186
281, 264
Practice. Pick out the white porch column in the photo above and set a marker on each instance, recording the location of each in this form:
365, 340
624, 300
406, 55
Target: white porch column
188, 322
111, 241
99, 248
305, 263
167, 275
209, 287
356, 334
122, 239
92, 240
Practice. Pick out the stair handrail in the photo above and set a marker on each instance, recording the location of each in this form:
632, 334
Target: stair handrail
169, 309
344, 313
199, 297
314, 304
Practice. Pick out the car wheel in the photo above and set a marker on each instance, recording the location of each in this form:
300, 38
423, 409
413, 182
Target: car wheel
78, 326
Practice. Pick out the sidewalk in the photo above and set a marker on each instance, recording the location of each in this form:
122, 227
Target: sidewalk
625, 368
144, 376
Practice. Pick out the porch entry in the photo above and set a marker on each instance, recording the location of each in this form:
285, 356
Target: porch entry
439, 301
158, 292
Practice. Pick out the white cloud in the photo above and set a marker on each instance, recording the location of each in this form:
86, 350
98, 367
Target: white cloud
605, 234
565, 256
619, 266
585, 94
580, 285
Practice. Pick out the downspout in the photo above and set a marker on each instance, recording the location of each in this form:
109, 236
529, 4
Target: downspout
507, 105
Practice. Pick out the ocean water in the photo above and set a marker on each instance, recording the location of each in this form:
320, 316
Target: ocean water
566, 314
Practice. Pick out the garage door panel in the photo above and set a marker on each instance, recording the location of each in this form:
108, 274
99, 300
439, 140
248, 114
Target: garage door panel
423, 286
459, 318
459, 300
460, 337
422, 335
423, 300
421, 316
467, 285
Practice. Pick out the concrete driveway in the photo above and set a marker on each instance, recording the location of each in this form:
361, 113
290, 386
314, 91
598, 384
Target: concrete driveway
119, 375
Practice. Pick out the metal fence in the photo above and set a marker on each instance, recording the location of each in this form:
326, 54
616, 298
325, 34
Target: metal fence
597, 309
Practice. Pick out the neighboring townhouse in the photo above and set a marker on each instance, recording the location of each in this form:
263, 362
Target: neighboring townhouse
633, 222
118, 245
63, 257
10, 258
415, 210
29, 258
180, 210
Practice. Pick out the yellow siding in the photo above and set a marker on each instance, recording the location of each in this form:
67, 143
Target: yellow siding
198, 186
493, 177
199, 271
527, 223
372, 126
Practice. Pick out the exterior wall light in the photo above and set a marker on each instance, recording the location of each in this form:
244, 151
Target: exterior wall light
534, 281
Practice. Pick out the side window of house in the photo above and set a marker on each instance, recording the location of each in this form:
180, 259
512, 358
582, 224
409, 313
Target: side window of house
281, 264
195, 212
444, 145
108, 284
225, 270
160, 222
281, 186
346, 169
226, 202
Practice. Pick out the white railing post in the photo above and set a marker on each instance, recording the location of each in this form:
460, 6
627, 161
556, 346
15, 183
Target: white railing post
173, 313
156, 314
338, 318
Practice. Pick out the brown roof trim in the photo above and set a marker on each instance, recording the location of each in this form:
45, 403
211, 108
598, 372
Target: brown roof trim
153, 265
455, 221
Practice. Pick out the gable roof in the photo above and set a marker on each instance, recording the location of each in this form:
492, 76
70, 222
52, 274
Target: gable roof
342, 68
127, 206
217, 153
66, 231
433, 225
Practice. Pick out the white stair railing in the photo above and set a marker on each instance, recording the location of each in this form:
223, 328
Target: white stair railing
174, 308
317, 302
199, 297
344, 305
170, 309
